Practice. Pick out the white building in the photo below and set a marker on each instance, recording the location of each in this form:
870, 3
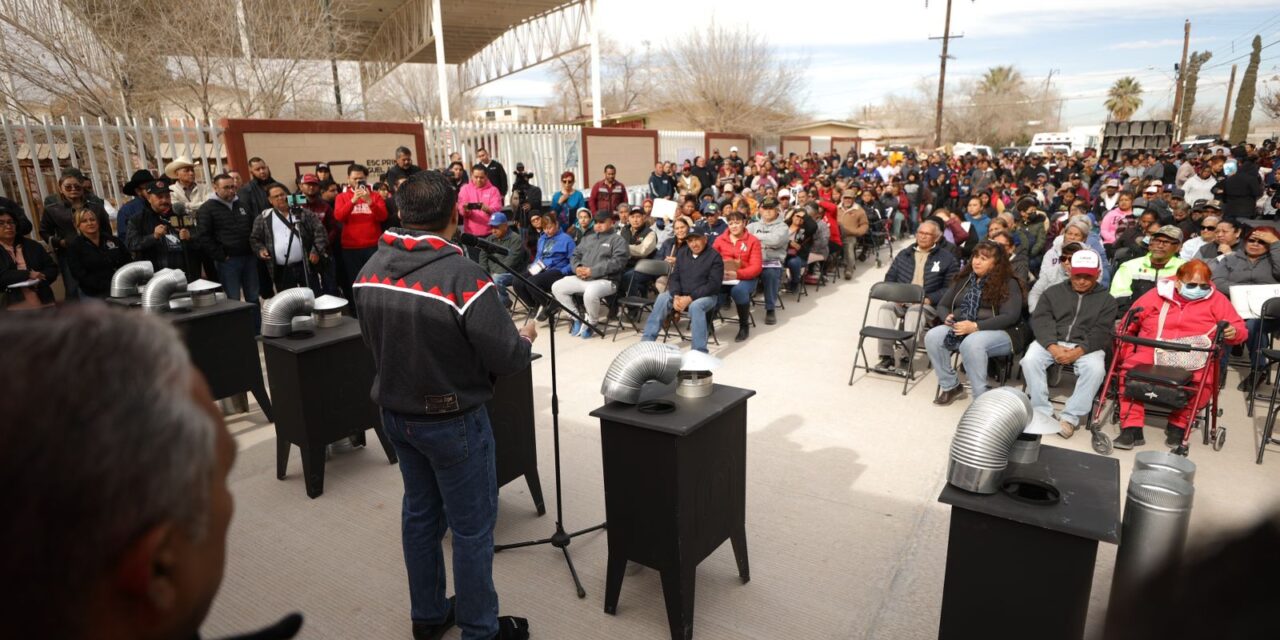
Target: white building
512, 113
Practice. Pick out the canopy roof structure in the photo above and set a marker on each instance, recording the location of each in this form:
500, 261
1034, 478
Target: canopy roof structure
485, 39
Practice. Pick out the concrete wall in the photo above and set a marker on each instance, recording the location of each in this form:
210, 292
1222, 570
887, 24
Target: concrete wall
292, 154
631, 151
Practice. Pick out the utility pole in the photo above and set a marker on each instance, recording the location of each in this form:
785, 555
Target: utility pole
1182, 74
1226, 108
942, 75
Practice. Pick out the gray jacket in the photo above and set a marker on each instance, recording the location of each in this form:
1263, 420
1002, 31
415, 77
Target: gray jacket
773, 237
310, 231
606, 255
1236, 268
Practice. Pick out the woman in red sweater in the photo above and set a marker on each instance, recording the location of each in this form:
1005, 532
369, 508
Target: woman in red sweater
742, 264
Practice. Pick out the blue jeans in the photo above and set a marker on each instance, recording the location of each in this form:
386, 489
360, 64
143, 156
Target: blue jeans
697, 313
975, 350
448, 468
772, 278
1090, 369
239, 275
741, 292
503, 280
795, 266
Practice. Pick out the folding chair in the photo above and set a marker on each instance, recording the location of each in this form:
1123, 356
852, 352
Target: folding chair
637, 305
1270, 313
894, 292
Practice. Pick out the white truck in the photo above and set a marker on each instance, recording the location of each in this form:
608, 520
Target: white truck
1070, 141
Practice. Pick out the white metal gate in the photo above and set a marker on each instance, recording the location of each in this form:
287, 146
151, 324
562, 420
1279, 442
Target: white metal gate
546, 150
678, 146
34, 153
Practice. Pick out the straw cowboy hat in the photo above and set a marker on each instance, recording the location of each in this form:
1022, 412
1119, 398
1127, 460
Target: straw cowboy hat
180, 162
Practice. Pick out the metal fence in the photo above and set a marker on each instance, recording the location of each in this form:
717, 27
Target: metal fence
678, 146
546, 150
34, 153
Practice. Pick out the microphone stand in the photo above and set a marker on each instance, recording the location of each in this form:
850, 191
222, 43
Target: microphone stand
559, 539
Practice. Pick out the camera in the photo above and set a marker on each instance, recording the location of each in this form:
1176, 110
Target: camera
297, 200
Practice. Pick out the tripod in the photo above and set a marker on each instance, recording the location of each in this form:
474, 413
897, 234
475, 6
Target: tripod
560, 539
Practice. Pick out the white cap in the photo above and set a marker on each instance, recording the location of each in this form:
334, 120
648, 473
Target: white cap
784, 193
733, 149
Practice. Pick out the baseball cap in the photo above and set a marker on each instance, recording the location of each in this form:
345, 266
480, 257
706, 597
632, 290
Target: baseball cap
1171, 232
697, 230
310, 178
157, 187
711, 209
1213, 204
322, 166
1086, 262
1177, 193
770, 203
498, 219
1151, 189
784, 193
733, 149
1113, 183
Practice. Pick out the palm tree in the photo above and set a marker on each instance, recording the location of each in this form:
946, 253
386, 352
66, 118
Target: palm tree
1124, 98
1000, 80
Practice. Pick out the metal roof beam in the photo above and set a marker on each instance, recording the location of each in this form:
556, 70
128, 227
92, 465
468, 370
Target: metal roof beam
405, 33
533, 41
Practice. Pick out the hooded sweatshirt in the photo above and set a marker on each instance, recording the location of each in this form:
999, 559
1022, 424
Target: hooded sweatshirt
435, 325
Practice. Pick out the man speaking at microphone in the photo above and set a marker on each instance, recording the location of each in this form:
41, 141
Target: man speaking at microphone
439, 335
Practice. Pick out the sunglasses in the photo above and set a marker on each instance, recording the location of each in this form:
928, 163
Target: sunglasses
1208, 228
1255, 241
1194, 285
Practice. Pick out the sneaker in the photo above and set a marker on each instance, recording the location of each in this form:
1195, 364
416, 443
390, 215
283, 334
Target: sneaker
904, 365
1129, 438
435, 631
770, 317
542, 314
1250, 382
576, 328
1066, 429
512, 628
1172, 437
586, 332
848, 273
884, 366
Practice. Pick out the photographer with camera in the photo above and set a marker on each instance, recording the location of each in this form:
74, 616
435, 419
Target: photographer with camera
290, 238
478, 200
360, 211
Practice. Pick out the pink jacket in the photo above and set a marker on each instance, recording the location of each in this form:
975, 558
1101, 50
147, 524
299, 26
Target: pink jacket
1110, 223
476, 221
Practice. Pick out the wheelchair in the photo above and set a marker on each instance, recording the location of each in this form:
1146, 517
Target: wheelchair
878, 236
1162, 387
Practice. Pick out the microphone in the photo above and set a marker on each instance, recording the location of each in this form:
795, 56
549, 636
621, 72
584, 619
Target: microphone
478, 242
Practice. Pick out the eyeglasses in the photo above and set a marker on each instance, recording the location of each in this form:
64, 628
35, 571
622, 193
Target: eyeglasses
8, 223
1255, 241
1162, 240
567, 181
1197, 285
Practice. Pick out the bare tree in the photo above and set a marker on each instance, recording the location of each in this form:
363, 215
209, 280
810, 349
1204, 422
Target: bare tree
626, 80
410, 92
1269, 97
731, 79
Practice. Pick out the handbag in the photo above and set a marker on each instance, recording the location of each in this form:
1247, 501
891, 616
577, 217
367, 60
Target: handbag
1189, 360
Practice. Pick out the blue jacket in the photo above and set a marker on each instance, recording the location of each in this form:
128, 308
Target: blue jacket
939, 270
567, 208
555, 252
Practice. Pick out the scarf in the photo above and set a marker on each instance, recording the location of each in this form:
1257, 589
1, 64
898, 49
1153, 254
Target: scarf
966, 308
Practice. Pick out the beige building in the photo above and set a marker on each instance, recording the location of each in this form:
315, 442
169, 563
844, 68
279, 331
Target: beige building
510, 114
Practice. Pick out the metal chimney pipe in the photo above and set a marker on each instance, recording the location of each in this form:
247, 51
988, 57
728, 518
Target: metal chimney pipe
1156, 518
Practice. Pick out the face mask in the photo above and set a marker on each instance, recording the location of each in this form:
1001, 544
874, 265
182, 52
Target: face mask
1229, 168
1146, 239
1193, 294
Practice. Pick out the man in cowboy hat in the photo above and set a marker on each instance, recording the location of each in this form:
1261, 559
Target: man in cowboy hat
188, 195
133, 207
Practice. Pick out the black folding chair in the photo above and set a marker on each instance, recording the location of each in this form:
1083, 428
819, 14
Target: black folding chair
630, 308
899, 293
1270, 312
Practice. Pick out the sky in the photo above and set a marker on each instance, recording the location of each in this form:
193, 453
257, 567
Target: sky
856, 51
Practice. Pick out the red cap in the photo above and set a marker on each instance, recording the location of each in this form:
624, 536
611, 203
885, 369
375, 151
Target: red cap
310, 178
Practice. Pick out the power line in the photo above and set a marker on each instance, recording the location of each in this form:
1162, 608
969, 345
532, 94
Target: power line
1239, 57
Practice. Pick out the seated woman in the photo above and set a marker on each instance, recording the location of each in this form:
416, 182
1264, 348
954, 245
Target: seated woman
94, 256
23, 261
1179, 307
1259, 263
979, 309
679, 233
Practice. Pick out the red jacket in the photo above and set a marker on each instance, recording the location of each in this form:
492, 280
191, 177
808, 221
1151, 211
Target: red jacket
829, 214
606, 198
746, 250
361, 222
1184, 318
